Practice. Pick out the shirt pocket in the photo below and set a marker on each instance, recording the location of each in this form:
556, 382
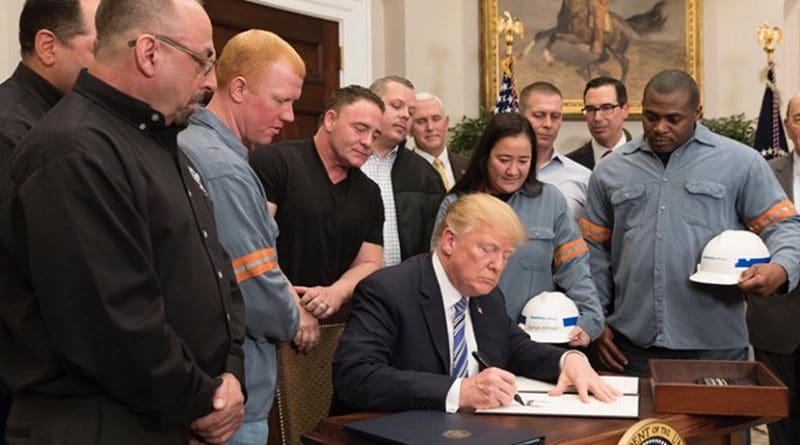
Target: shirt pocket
628, 203
705, 204
537, 253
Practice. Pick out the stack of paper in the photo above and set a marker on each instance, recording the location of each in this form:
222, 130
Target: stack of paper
537, 402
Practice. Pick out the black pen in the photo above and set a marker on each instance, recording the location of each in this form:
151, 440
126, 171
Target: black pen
485, 363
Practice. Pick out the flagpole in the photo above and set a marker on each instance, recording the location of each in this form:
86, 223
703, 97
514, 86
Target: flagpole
507, 95
770, 139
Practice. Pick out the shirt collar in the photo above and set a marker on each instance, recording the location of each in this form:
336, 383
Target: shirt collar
555, 158
389, 157
135, 111
701, 135
206, 118
430, 158
450, 295
32, 81
599, 149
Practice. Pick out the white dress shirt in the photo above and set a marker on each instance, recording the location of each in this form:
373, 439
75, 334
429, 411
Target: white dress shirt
380, 171
450, 297
444, 158
571, 178
598, 150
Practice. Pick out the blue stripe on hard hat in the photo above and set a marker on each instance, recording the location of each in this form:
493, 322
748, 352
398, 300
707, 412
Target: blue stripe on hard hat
747, 262
570, 321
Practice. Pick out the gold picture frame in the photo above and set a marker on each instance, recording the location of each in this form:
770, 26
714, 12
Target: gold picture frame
677, 44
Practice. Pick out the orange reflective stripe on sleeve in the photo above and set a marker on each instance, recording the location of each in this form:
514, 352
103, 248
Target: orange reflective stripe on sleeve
568, 251
254, 264
779, 211
594, 232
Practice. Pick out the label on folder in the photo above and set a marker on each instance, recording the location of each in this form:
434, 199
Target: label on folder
435, 428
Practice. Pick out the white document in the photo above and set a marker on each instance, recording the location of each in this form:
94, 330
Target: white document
625, 385
537, 402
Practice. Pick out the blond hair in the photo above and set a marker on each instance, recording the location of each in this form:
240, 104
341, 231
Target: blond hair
480, 208
249, 53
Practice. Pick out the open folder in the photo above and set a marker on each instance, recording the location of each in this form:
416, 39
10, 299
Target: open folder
537, 402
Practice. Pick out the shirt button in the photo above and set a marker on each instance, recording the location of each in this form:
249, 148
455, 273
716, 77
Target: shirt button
154, 117
228, 316
219, 274
663, 208
658, 236
189, 192
205, 233
664, 179
143, 127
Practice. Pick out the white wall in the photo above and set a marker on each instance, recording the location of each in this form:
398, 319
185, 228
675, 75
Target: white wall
441, 55
9, 42
435, 44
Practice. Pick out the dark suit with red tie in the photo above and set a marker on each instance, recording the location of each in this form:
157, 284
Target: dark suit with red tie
394, 354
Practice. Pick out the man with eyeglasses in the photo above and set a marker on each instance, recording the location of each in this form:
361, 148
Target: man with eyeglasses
605, 102
541, 104
119, 306
772, 322
652, 207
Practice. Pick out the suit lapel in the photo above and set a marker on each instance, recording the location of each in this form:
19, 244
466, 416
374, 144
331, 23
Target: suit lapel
784, 174
433, 310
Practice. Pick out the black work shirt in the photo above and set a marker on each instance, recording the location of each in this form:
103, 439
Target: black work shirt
106, 220
322, 225
24, 98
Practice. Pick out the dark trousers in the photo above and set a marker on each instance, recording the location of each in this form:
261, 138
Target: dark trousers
90, 420
787, 368
639, 357
5, 407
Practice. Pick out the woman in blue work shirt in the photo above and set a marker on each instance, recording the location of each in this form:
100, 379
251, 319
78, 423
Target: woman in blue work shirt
555, 256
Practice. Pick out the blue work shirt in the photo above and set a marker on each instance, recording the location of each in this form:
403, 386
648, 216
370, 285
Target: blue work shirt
555, 257
248, 232
647, 225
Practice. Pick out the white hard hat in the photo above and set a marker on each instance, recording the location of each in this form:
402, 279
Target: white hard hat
549, 317
727, 255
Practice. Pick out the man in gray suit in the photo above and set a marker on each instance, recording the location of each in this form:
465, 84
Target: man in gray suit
772, 321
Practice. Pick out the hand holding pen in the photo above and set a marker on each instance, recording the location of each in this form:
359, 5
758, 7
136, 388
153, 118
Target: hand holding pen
485, 364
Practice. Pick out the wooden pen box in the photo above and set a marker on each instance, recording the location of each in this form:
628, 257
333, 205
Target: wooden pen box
675, 389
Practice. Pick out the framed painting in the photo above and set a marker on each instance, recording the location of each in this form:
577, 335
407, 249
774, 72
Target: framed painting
639, 39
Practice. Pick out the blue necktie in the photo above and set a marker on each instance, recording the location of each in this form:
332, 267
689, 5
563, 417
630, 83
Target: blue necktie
459, 340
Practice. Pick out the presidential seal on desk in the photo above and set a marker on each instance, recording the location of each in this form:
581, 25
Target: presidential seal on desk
456, 434
651, 432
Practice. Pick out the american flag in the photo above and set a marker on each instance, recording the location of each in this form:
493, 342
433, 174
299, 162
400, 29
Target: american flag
770, 139
507, 101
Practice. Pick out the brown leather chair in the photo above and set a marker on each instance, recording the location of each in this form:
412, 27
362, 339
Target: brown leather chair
305, 388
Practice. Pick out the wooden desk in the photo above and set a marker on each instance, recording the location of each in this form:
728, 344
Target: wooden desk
696, 430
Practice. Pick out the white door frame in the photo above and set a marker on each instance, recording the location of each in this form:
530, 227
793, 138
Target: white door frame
355, 31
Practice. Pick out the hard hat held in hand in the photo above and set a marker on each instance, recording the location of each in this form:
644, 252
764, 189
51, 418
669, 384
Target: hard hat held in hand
549, 317
729, 254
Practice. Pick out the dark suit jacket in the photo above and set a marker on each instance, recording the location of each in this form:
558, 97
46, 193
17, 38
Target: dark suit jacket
772, 321
418, 191
585, 156
394, 352
458, 163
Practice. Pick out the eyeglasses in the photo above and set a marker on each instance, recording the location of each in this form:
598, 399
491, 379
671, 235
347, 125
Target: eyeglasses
604, 109
205, 61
